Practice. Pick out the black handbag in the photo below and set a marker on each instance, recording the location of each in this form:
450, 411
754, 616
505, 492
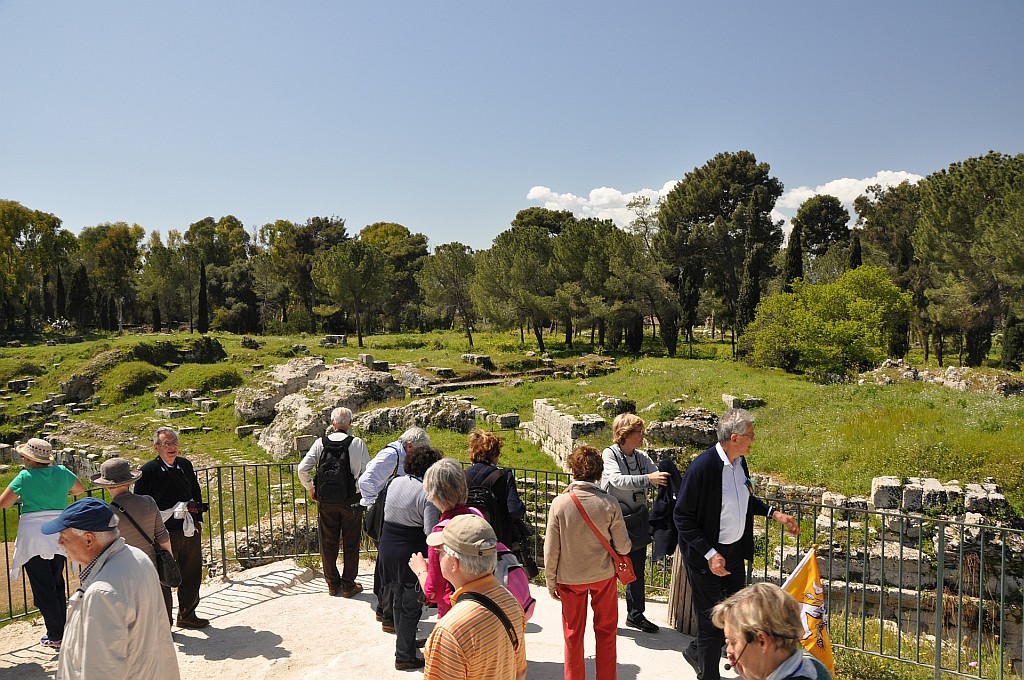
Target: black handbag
373, 522
166, 566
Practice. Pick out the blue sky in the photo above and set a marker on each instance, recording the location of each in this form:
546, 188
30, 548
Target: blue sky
449, 117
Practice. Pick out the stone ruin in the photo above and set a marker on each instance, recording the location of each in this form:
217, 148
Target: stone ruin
959, 378
298, 396
557, 431
889, 569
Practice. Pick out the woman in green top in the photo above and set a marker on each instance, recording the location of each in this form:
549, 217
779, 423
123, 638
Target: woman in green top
43, 490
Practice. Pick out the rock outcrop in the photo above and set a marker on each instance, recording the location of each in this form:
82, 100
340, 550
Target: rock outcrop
301, 413
444, 412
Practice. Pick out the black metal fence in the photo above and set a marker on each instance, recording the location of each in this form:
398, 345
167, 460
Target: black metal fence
929, 592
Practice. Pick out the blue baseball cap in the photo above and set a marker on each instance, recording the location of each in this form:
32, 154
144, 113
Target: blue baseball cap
88, 514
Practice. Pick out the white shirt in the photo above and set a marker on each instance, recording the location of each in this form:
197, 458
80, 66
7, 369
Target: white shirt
735, 495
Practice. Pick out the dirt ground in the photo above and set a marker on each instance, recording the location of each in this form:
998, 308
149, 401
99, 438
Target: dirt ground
277, 622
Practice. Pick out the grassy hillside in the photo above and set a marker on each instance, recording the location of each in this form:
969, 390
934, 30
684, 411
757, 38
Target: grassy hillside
837, 436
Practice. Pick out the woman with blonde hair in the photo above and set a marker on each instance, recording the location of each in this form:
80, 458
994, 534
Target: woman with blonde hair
43, 489
628, 474
763, 627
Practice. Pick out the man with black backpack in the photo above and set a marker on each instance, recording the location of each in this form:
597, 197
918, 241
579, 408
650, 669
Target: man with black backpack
339, 459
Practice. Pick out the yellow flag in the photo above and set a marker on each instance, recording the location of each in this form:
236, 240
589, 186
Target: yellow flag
805, 585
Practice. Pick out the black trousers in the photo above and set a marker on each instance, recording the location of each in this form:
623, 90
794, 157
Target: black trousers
48, 591
188, 553
707, 591
636, 592
339, 525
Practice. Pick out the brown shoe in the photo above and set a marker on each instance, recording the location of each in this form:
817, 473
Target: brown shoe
193, 622
354, 590
388, 626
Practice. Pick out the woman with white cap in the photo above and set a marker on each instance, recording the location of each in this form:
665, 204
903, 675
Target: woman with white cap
43, 489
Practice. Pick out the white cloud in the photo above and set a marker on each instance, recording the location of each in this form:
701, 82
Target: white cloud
602, 203
609, 203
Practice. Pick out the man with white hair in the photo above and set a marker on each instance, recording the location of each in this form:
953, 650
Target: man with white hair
386, 464
714, 516
117, 625
484, 633
339, 459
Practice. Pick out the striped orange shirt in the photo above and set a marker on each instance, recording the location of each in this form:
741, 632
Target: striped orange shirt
470, 643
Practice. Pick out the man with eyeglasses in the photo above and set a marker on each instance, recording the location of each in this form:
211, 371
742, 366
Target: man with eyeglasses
171, 480
714, 517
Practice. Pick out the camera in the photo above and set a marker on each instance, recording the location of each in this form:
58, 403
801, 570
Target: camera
198, 508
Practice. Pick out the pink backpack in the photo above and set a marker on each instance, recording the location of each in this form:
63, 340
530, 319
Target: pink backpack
510, 573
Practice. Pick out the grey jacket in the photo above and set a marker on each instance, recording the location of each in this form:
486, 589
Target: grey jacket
117, 624
625, 477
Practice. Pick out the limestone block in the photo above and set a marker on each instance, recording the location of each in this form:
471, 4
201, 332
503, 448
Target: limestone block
933, 494
886, 493
481, 360
976, 499
913, 495
380, 366
746, 401
366, 360
208, 405
507, 421
302, 443
442, 372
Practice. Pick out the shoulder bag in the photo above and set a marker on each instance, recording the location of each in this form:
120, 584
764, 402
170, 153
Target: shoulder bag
623, 565
166, 566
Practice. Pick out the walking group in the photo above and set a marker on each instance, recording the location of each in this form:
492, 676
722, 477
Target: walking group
117, 622
447, 537
456, 540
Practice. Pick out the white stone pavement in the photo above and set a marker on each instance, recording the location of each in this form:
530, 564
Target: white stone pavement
277, 622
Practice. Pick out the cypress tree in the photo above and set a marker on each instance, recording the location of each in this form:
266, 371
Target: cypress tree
794, 258
203, 323
47, 298
60, 301
1013, 342
80, 299
855, 254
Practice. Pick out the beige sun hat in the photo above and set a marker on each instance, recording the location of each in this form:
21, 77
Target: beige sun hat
38, 450
115, 472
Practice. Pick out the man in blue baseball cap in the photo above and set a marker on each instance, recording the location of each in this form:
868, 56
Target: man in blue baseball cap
117, 624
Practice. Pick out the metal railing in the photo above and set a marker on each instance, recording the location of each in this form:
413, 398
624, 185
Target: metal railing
887, 592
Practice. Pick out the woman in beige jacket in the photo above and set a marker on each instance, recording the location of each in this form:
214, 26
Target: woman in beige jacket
577, 566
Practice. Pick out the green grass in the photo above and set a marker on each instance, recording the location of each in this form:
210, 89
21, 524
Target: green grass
837, 436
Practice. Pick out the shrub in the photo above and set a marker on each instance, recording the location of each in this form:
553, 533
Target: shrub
17, 368
128, 380
830, 328
203, 377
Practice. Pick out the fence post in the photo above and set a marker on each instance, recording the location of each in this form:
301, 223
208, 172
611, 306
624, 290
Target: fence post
940, 577
220, 512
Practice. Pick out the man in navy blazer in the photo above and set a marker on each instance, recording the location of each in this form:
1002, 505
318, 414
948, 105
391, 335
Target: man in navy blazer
714, 517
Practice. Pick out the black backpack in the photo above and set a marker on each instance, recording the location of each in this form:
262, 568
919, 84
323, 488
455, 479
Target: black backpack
334, 482
483, 497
